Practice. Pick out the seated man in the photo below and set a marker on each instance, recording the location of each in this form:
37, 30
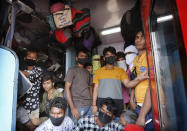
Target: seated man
49, 94
103, 121
58, 121
128, 117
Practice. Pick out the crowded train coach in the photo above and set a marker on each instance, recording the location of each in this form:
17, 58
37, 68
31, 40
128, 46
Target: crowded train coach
93, 65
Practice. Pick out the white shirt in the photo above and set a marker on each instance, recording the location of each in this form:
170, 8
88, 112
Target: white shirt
66, 125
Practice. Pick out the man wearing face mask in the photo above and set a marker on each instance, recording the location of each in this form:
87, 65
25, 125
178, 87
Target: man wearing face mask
57, 120
130, 53
103, 121
122, 64
31, 99
77, 87
108, 81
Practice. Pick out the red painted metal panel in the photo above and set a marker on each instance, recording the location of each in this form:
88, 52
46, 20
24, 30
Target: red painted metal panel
182, 10
145, 11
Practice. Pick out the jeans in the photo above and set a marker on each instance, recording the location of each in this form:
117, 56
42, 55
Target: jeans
83, 112
149, 126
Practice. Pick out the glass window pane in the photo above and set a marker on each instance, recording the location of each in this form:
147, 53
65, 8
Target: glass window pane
8, 90
169, 75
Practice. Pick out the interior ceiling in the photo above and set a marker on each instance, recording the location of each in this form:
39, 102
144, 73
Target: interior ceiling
104, 14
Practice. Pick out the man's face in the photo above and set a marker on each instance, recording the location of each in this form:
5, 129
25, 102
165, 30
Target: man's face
82, 55
90, 69
108, 54
106, 111
31, 56
57, 112
140, 41
47, 85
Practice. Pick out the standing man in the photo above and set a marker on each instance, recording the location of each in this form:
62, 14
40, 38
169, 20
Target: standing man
108, 81
31, 99
130, 53
77, 87
125, 91
142, 93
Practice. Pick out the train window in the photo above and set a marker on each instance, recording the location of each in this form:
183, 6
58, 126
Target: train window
8, 90
168, 67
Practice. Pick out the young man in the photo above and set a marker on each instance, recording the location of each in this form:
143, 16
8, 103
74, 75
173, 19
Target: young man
130, 53
121, 62
108, 81
49, 94
77, 87
142, 93
31, 99
89, 67
58, 121
101, 122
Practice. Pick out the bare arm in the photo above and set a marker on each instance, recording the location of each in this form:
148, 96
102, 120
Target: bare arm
95, 94
145, 108
68, 94
74, 110
91, 90
133, 83
132, 103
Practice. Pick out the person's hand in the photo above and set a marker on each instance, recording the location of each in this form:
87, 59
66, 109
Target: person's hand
143, 76
94, 109
140, 121
122, 121
75, 113
132, 105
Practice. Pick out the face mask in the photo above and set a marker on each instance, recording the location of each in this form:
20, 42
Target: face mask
110, 60
104, 118
96, 65
82, 61
30, 62
60, 89
56, 121
122, 64
130, 58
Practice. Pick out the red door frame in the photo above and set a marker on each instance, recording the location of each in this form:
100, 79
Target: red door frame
145, 12
182, 10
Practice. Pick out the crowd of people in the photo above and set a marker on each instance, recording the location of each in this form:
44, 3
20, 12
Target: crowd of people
115, 97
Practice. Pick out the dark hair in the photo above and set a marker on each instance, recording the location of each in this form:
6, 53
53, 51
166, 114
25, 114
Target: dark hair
81, 50
59, 84
110, 49
120, 55
59, 102
137, 31
111, 106
130, 116
88, 64
46, 78
30, 50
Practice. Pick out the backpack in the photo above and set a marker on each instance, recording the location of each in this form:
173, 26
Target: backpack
130, 22
64, 37
81, 21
